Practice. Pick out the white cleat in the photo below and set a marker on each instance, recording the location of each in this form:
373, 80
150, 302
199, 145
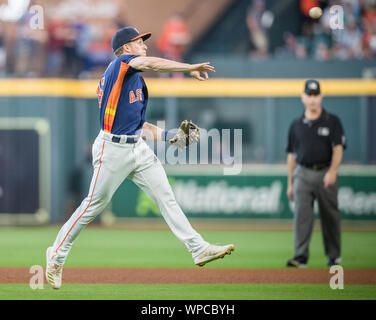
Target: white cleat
213, 252
54, 272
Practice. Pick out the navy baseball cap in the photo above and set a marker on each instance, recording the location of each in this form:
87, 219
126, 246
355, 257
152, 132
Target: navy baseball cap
312, 87
125, 35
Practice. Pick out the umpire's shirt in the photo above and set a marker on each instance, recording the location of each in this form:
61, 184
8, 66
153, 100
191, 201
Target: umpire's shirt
313, 140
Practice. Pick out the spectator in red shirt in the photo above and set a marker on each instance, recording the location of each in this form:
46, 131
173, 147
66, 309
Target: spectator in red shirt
56, 38
174, 38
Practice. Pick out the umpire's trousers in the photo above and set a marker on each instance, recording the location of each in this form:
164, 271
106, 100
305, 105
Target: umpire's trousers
309, 186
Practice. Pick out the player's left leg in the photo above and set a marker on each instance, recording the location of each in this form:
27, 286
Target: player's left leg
150, 176
330, 221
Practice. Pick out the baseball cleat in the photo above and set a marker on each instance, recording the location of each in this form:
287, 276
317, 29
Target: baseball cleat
213, 252
54, 272
297, 263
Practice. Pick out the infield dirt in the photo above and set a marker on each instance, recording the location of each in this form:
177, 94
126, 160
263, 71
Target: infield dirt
192, 275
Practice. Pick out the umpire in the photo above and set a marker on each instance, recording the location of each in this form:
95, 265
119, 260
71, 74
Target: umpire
315, 146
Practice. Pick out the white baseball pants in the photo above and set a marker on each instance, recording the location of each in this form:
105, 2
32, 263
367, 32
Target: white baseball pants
113, 163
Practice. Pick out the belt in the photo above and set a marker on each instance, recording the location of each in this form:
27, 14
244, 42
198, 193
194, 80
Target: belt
126, 140
316, 167
119, 138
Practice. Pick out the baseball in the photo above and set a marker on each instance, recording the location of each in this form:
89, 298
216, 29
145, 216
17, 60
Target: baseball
315, 12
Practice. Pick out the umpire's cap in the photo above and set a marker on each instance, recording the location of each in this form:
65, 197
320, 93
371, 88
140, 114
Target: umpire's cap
125, 35
312, 87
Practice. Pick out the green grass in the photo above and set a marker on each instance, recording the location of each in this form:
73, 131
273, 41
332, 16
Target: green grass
140, 248
188, 292
96, 247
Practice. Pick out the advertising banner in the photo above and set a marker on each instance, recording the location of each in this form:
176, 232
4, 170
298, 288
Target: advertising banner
243, 196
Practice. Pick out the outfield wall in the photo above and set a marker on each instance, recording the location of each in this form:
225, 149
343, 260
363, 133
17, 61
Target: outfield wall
58, 121
259, 192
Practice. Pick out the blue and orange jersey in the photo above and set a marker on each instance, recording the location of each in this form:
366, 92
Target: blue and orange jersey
122, 98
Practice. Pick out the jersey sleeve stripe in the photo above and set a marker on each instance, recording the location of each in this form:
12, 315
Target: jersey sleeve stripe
113, 98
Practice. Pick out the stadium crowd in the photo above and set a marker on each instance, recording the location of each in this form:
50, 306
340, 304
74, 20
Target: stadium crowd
75, 39
72, 39
317, 40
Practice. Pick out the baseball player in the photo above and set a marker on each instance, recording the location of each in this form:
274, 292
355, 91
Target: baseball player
119, 151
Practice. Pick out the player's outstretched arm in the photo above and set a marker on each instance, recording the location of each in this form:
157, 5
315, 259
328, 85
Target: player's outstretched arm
151, 132
198, 71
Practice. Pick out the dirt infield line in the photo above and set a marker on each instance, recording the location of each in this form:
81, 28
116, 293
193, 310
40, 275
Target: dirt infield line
231, 224
192, 276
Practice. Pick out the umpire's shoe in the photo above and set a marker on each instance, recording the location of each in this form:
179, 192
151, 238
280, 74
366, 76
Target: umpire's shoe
54, 272
212, 253
297, 262
334, 262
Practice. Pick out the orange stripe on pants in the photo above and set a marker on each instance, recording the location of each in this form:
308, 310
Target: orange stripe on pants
91, 197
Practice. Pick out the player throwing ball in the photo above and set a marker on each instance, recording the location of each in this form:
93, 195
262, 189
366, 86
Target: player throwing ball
119, 152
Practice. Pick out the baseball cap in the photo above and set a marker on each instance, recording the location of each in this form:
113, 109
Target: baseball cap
125, 35
312, 87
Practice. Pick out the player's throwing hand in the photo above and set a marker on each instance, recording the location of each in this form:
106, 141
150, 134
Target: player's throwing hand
201, 68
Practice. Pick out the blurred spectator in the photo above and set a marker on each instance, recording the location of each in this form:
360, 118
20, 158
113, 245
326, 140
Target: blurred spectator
369, 13
352, 9
350, 39
339, 52
322, 52
320, 42
369, 43
2, 50
56, 38
301, 51
174, 38
292, 49
95, 48
258, 21
369, 27
289, 48
71, 60
29, 48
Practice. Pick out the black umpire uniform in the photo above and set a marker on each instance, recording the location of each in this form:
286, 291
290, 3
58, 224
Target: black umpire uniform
311, 144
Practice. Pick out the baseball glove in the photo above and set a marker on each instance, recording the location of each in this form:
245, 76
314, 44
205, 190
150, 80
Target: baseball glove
187, 134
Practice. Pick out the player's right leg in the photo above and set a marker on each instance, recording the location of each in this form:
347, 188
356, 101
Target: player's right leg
111, 167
